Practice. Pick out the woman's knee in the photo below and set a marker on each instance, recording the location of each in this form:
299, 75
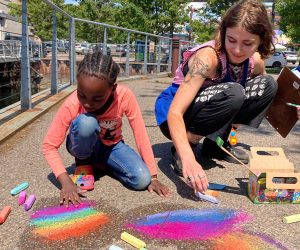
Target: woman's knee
263, 86
271, 85
84, 126
236, 96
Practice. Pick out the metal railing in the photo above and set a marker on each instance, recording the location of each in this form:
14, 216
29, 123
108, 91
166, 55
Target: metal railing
139, 53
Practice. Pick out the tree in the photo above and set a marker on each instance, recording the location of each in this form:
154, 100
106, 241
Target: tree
40, 18
216, 8
203, 31
290, 22
165, 16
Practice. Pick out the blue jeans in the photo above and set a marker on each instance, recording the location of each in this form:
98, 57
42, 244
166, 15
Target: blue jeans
84, 144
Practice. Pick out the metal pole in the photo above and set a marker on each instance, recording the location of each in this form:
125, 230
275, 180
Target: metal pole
145, 56
175, 55
54, 75
72, 54
158, 56
170, 55
127, 55
25, 64
105, 42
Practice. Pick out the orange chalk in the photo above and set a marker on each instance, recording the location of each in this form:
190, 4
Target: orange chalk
4, 214
212, 192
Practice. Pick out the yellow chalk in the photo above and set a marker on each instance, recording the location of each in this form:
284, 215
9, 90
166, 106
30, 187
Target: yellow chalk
292, 218
133, 240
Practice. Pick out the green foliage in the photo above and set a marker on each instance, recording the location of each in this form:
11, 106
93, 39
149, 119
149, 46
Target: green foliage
40, 18
290, 22
216, 8
203, 32
158, 17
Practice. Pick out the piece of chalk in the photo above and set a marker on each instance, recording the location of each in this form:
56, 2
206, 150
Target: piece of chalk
113, 247
133, 240
22, 198
4, 214
19, 188
216, 186
293, 105
207, 197
212, 192
292, 218
28, 204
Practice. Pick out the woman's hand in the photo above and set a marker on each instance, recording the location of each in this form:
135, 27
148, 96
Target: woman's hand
159, 188
194, 175
69, 191
298, 113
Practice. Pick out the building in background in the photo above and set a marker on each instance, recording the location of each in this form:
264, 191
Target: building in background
10, 27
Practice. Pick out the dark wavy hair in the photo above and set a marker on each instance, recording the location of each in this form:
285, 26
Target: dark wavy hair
252, 16
99, 65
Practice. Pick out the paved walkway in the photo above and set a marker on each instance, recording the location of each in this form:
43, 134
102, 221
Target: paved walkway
259, 225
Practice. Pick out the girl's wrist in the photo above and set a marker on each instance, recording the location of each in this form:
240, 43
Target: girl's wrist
154, 177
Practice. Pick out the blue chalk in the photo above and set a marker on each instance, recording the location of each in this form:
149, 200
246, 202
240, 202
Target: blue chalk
215, 186
114, 247
19, 188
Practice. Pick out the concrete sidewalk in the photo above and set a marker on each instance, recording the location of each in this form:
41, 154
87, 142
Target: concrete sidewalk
22, 160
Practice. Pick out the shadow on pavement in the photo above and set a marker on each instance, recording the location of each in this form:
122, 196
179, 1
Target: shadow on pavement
163, 151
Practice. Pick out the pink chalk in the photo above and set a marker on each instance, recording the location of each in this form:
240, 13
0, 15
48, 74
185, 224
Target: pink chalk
28, 204
22, 198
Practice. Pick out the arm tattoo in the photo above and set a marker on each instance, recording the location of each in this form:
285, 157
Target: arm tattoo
198, 68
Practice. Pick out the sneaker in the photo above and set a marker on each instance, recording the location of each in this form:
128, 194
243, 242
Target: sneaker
176, 162
84, 177
210, 149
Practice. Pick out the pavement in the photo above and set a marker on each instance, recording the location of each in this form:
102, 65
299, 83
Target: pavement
249, 226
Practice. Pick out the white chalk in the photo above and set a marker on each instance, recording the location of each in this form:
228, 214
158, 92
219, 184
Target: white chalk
113, 247
207, 197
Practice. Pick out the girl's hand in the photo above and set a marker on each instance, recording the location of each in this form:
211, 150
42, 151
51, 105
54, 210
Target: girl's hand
159, 188
194, 175
298, 113
69, 191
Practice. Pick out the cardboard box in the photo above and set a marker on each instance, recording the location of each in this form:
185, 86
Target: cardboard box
276, 180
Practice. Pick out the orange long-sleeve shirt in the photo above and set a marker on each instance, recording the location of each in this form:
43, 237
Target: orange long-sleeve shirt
111, 128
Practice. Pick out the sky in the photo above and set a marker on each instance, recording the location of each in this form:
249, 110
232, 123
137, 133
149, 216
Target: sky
70, 1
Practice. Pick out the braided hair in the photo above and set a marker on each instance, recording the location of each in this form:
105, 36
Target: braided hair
99, 65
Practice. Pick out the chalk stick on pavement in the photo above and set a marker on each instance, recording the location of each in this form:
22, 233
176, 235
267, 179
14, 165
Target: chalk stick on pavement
4, 214
133, 240
22, 198
29, 203
19, 188
216, 186
212, 192
292, 218
114, 247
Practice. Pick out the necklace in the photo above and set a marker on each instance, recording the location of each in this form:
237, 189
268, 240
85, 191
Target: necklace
236, 69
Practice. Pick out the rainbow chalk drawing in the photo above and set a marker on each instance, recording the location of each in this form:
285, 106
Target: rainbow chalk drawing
246, 241
60, 222
192, 224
